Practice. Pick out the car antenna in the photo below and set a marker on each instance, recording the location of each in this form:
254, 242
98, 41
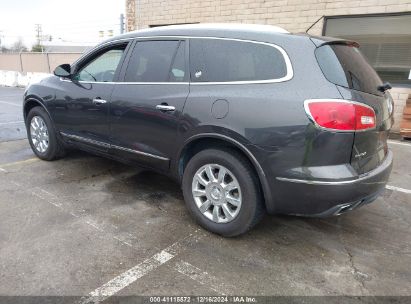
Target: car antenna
314, 24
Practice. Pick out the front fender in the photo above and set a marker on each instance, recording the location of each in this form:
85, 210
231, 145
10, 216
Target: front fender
40, 93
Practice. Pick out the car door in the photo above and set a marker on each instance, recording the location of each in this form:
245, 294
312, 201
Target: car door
82, 102
146, 106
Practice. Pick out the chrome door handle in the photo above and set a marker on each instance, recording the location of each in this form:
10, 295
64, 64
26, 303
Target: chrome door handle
98, 101
165, 108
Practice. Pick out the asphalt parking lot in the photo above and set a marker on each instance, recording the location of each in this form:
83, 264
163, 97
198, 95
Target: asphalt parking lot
85, 226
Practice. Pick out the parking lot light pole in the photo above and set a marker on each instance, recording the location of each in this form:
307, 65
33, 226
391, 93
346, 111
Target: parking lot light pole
121, 23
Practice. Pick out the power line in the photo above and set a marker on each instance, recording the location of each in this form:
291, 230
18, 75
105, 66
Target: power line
86, 29
95, 21
84, 26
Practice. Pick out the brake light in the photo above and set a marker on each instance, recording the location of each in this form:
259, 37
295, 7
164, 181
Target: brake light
340, 115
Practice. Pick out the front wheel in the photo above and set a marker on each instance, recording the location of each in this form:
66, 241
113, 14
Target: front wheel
222, 191
42, 136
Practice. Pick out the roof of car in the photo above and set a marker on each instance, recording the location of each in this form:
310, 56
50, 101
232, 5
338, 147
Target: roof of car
226, 30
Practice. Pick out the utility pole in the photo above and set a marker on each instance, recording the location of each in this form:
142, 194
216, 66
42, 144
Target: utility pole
38, 33
39, 37
121, 23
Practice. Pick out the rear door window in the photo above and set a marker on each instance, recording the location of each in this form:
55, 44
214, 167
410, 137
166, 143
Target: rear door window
156, 61
178, 68
219, 60
344, 65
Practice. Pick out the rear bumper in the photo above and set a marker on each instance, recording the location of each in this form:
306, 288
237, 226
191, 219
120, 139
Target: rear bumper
332, 196
345, 207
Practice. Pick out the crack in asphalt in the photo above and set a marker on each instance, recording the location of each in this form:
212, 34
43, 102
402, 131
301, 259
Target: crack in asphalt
359, 276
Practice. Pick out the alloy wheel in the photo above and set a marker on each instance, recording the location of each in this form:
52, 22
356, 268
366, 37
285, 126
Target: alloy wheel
217, 193
39, 134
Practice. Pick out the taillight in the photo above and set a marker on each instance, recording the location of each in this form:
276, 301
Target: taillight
340, 115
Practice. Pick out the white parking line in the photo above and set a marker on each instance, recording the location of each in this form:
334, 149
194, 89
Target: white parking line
14, 95
30, 160
11, 103
11, 122
47, 197
202, 277
54, 200
3, 170
133, 274
398, 189
128, 277
398, 143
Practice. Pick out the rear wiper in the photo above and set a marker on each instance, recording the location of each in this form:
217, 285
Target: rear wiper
384, 87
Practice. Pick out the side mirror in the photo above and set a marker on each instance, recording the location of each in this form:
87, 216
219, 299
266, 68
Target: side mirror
63, 70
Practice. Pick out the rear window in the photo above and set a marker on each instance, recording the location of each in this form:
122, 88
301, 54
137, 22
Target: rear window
218, 60
345, 66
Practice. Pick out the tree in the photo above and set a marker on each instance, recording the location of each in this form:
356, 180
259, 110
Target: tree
18, 46
37, 48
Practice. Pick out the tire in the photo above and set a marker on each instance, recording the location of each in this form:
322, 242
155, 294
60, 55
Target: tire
231, 162
55, 148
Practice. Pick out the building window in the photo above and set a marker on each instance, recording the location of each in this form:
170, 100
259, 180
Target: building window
384, 39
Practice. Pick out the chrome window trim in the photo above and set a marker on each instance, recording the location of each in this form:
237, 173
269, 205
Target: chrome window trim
151, 83
110, 146
113, 82
100, 46
289, 75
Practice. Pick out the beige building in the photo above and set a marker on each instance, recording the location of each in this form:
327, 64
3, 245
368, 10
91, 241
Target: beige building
382, 27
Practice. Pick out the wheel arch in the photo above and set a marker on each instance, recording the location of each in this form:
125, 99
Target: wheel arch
206, 140
30, 103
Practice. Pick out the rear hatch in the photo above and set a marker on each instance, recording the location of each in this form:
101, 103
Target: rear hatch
343, 64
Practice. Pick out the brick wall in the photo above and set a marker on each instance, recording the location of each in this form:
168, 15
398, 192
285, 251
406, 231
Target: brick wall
130, 15
293, 15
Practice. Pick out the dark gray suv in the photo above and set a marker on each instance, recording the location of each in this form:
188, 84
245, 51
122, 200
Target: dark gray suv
249, 119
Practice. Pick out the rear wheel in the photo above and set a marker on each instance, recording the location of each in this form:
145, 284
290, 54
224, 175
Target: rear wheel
42, 136
222, 192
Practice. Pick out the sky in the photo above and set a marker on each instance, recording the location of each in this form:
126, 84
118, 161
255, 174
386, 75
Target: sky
75, 22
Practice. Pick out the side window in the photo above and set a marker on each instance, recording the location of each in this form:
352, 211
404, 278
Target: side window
217, 60
102, 68
177, 72
156, 61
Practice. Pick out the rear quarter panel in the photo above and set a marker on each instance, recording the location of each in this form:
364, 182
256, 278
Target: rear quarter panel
270, 118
